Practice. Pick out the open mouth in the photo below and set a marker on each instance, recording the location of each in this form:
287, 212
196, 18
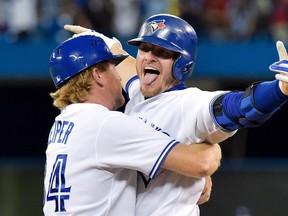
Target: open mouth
150, 75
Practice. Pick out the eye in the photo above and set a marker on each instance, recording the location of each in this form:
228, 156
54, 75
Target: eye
165, 54
144, 47
158, 51
162, 54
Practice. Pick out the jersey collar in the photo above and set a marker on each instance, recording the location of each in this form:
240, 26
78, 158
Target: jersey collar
180, 86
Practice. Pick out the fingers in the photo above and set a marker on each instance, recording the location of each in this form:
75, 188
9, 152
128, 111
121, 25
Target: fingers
281, 50
282, 77
206, 193
76, 29
280, 67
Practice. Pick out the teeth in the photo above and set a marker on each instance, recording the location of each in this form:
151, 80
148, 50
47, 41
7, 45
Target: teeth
150, 68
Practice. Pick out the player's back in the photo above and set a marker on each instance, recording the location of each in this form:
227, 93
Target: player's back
76, 182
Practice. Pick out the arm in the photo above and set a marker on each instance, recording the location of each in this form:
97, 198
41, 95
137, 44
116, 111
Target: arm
127, 68
197, 160
140, 147
250, 108
257, 104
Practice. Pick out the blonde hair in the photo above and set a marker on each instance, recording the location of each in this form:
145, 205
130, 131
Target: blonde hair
76, 89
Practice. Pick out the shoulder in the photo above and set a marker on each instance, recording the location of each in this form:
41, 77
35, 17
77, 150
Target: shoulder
198, 93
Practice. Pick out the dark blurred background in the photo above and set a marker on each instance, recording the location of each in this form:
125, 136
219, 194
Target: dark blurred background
236, 46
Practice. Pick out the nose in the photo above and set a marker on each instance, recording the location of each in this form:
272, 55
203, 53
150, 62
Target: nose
149, 56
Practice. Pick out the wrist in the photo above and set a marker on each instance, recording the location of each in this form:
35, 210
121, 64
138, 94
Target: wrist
283, 87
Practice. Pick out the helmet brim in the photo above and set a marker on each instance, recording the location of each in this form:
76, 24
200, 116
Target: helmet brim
117, 59
155, 41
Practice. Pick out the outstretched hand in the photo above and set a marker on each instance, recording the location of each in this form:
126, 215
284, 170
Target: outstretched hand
82, 30
281, 66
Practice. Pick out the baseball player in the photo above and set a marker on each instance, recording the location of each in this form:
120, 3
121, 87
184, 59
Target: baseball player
167, 47
93, 152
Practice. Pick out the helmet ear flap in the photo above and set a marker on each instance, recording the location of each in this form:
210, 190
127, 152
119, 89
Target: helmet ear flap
183, 69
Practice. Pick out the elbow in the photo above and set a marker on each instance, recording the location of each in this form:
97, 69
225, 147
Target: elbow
208, 167
209, 163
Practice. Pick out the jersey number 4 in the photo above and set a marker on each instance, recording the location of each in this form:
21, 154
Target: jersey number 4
57, 190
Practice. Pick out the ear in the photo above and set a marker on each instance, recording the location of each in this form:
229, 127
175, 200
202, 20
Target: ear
97, 76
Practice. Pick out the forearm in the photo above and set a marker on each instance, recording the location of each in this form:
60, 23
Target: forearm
196, 160
127, 68
250, 108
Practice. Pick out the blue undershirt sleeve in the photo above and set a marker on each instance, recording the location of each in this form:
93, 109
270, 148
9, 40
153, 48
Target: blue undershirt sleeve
249, 108
268, 96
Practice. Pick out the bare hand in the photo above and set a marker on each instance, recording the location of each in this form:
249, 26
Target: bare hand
205, 196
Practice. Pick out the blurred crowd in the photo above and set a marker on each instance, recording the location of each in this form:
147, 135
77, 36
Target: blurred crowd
215, 20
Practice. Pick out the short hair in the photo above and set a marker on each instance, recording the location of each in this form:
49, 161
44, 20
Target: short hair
77, 88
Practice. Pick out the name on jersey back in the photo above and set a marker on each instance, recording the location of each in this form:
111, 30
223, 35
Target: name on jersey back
60, 132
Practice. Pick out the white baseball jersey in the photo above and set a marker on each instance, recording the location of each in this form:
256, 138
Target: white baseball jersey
91, 161
186, 116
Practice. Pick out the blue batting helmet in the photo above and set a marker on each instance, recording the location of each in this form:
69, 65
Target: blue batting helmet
77, 54
172, 33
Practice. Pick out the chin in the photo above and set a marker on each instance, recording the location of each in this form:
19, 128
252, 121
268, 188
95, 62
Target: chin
149, 92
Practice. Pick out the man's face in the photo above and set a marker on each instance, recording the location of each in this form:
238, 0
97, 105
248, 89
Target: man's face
154, 67
114, 87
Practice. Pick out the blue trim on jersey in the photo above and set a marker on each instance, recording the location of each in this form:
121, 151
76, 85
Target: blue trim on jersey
130, 81
180, 86
161, 158
145, 181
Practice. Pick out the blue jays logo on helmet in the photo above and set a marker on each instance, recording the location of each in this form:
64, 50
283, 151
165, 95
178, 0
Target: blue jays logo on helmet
156, 24
172, 33
77, 54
